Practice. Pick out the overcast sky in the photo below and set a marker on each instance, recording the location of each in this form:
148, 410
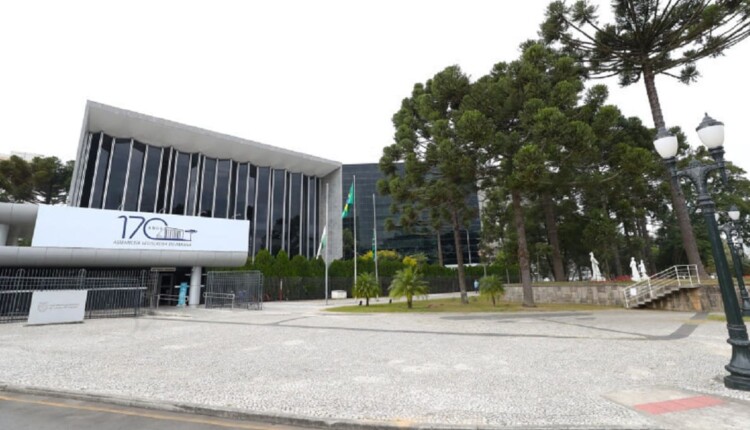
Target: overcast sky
319, 77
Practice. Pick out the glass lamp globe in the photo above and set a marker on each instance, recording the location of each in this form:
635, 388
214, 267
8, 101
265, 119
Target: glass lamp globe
711, 132
665, 144
734, 213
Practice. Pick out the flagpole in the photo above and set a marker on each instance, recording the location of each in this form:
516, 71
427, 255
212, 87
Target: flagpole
375, 238
325, 258
354, 203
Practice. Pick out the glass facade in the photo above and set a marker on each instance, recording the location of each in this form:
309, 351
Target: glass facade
262, 199
122, 173
420, 239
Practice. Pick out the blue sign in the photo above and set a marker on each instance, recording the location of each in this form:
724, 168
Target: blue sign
183, 293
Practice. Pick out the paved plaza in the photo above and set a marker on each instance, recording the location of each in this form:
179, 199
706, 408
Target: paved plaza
598, 369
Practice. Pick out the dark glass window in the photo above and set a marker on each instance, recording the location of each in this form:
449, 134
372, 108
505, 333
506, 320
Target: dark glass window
101, 172
232, 204
180, 183
88, 178
207, 190
150, 178
277, 211
241, 192
250, 206
133, 188
195, 173
251, 182
118, 170
305, 217
261, 212
165, 180
312, 224
295, 213
222, 188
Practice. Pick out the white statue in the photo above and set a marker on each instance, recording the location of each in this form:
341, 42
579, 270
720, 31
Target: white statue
596, 275
642, 269
635, 276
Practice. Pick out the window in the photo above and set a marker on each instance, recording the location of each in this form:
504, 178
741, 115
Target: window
195, 174
222, 188
150, 179
277, 211
295, 214
100, 176
209, 182
118, 170
262, 202
180, 183
135, 172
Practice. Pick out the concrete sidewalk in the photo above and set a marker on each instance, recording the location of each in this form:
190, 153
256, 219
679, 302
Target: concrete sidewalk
295, 363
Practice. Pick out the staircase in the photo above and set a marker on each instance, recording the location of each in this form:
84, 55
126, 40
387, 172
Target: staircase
663, 283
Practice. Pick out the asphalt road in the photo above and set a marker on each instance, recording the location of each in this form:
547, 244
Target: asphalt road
24, 412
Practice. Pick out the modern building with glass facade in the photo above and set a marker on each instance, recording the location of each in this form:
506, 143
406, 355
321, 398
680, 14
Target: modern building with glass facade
420, 239
134, 162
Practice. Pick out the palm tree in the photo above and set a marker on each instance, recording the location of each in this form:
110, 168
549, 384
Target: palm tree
491, 287
407, 283
366, 287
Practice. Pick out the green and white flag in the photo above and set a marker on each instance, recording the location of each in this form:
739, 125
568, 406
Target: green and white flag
323, 238
349, 201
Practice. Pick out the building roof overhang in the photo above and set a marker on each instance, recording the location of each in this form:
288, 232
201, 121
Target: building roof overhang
185, 138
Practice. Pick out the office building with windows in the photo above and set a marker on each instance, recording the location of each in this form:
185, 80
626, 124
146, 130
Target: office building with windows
133, 162
148, 192
421, 238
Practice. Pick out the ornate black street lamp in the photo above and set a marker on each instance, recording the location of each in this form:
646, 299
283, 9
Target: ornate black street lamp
711, 133
734, 240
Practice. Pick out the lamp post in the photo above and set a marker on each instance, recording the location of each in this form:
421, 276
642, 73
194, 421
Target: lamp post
734, 240
711, 133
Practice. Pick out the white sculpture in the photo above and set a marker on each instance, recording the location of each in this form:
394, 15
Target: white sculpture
596, 275
634, 275
642, 270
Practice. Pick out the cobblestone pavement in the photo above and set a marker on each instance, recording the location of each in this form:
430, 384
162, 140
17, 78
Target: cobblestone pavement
557, 369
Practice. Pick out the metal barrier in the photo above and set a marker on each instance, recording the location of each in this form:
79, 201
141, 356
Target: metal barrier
111, 293
234, 290
219, 300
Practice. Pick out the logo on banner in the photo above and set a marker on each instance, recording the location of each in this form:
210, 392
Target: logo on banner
155, 230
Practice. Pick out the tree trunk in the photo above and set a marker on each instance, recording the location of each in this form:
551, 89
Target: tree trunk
678, 200
626, 234
550, 219
618, 261
440, 249
459, 257
646, 245
523, 250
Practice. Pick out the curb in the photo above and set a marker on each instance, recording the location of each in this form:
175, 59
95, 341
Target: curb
232, 413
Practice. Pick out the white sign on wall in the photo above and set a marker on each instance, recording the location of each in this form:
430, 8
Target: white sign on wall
59, 306
69, 227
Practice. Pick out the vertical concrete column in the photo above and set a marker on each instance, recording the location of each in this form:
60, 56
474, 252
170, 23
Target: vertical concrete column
4, 234
195, 286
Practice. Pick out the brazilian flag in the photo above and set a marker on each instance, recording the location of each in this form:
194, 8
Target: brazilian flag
349, 201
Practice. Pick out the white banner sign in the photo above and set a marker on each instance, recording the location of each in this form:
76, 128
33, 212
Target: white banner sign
60, 306
69, 227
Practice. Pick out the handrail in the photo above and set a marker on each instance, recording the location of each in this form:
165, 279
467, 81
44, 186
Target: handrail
660, 284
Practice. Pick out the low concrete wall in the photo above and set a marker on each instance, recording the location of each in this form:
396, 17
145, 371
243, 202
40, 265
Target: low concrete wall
602, 295
706, 298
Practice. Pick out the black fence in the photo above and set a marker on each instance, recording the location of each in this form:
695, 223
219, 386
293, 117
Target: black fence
300, 288
111, 293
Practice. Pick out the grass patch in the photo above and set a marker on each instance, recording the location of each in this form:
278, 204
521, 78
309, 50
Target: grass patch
723, 318
454, 305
